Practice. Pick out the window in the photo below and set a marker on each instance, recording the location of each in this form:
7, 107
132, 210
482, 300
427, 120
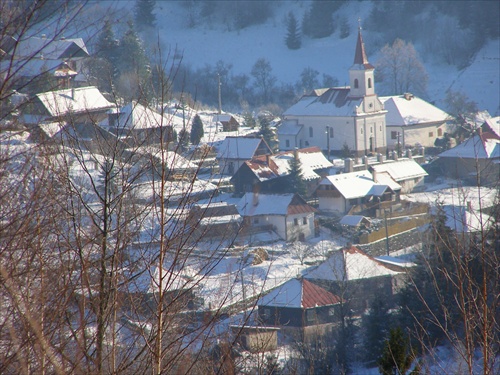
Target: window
310, 131
266, 313
295, 221
394, 135
369, 83
361, 130
431, 134
256, 220
304, 220
353, 202
311, 316
331, 311
380, 127
370, 105
330, 131
371, 130
440, 132
356, 84
287, 142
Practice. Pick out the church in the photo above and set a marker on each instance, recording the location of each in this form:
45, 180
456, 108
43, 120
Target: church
332, 118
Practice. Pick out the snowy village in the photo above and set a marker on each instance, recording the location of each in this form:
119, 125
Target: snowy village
337, 229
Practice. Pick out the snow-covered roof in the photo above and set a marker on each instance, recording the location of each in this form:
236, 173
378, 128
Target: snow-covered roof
410, 110
349, 264
136, 116
401, 170
289, 127
299, 293
484, 146
395, 261
267, 167
255, 204
493, 124
352, 220
385, 178
173, 160
330, 102
238, 148
48, 49
465, 220
355, 184
76, 100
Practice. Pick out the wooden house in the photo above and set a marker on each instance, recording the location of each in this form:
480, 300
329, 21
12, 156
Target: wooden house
356, 277
339, 193
256, 339
227, 121
288, 215
214, 220
269, 173
234, 151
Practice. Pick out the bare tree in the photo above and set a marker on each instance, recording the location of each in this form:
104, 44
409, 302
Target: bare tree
400, 70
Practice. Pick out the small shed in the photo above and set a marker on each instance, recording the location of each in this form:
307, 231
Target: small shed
355, 221
256, 339
228, 122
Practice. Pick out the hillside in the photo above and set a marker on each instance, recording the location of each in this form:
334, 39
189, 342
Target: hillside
204, 42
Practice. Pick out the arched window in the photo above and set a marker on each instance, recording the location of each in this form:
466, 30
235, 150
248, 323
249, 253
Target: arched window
369, 83
310, 132
356, 83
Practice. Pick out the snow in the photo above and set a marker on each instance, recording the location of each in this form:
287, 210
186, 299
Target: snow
351, 185
477, 147
408, 112
252, 204
401, 170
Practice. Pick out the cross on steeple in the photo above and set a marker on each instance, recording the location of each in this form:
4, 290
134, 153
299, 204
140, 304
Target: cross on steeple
359, 23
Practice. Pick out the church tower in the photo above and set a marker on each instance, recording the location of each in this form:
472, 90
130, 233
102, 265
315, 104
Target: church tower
361, 73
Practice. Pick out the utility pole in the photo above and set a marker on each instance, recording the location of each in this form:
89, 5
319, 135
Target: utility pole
386, 231
328, 141
399, 146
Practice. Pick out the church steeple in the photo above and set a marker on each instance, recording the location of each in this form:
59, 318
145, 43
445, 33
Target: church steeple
361, 75
360, 55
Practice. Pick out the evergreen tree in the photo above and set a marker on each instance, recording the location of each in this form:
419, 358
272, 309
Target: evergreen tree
293, 38
296, 183
345, 30
196, 130
133, 68
144, 15
249, 119
183, 139
396, 357
103, 64
318, 22
375, 328
266, 132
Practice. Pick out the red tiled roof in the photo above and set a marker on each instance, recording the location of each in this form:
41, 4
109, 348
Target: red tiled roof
314, 296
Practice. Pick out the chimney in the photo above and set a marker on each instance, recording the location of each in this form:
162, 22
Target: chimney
296, 153
73, 93
348, 165
255, 197
408, 96
268, 159
365, 160
380, 158
374, 174
422, 151
409, 154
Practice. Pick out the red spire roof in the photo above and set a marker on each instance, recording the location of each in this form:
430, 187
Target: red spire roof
360, 56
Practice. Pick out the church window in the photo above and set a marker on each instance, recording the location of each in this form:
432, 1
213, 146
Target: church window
356, 84
394, 135
310, 131
331, 132
361, 130
369, 83
371, 130
287, 142
380, 127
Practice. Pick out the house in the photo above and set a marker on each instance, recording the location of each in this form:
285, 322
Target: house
234, 151
60, 61
339, 193
332, 118
411, 121
492, 125
269, 173
83, 105
354, 221
137, 124
288, 215
464, 220
405, 171
302, 305
476, 159
214, 220
356, 277
228, 122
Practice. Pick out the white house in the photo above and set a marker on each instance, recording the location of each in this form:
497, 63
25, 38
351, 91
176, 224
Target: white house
339, 193
333, 117
413, 121
406, 172
234, 151
287, 214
